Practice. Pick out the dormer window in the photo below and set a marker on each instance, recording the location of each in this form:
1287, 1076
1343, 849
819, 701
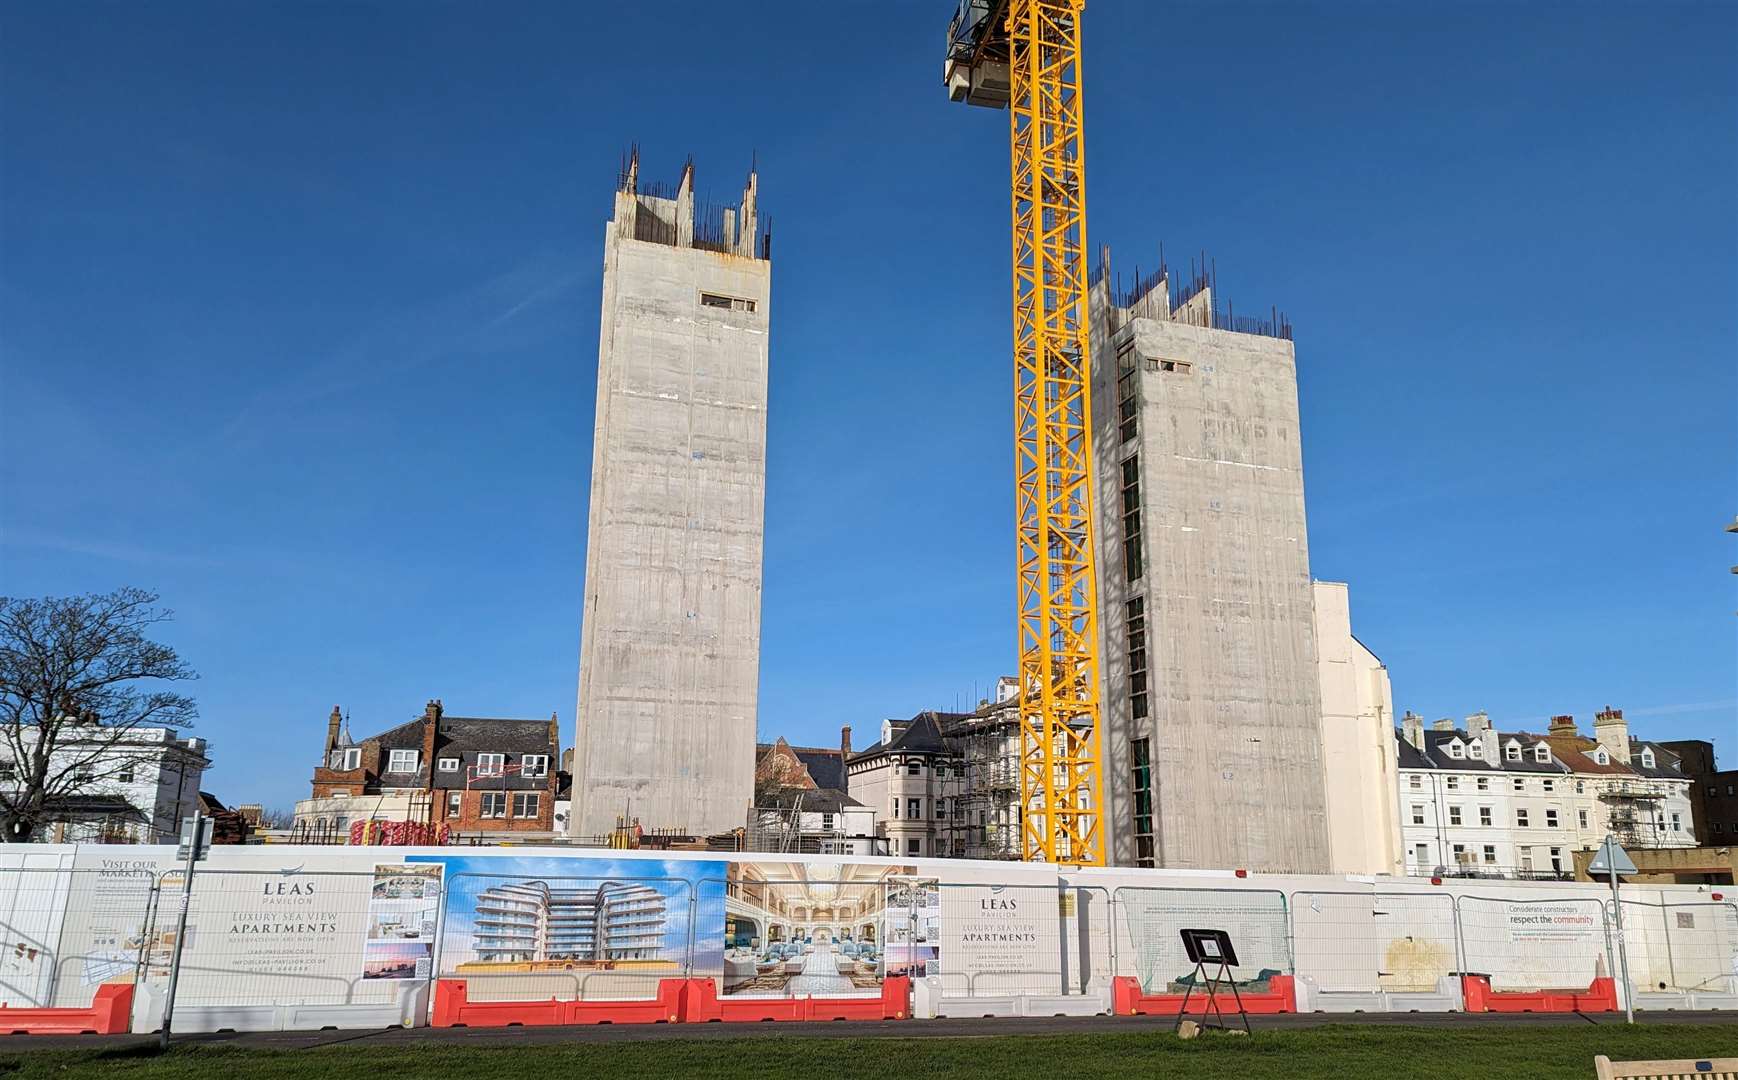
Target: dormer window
1647, 759
1512, 752
1454, 750
1542, 754
1601, 756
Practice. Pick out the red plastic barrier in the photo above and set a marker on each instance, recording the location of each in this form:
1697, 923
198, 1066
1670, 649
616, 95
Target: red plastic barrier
703, 1005
110, 1013
1599, 997
1128, 1000
453, 1008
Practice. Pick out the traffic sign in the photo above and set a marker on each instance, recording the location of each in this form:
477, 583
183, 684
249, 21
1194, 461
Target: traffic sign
1610, 859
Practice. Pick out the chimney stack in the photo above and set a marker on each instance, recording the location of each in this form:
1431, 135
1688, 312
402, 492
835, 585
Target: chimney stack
1445, 724
432, 710
845, 758
333, 723
1563, 725
1412, 728
1478, 727
1612, 732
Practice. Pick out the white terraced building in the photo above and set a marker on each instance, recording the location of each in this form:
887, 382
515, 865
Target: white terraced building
533, 921
1482, 803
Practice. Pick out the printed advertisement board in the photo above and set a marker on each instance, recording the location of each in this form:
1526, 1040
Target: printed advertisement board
824, 929
593, 923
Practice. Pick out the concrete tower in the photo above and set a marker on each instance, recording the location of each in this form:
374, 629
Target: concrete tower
670, 650
1212, 721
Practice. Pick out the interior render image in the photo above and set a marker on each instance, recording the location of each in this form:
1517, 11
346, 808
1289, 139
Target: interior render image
792, 929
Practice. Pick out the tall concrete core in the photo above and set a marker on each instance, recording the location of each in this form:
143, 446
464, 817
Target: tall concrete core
670, 650
1212, 738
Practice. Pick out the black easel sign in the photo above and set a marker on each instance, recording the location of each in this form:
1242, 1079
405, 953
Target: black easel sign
1211, 949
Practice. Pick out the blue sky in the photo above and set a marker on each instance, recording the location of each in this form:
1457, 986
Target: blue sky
299, 314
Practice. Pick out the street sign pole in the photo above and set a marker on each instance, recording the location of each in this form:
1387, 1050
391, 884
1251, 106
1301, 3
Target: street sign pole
194, 844
1614, 859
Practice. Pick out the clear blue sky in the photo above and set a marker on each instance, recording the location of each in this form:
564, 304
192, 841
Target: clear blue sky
300, 329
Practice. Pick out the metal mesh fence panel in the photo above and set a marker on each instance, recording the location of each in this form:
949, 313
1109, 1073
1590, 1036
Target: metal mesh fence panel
520, 938
65, 931
1523, 943
281, 938
997, 940
1369, 941
832, 931
1682, 947
1152, 950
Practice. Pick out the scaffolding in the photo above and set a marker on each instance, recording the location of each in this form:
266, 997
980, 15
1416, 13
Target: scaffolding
1634, 813
983, 795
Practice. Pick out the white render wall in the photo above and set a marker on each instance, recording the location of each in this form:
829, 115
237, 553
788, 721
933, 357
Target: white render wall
670, 646
166, 772
888, 789
1537, 847
1234, 727
1358, 748
1429, 798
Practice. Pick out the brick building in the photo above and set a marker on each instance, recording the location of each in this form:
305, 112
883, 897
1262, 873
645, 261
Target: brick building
479, 776
1713, 791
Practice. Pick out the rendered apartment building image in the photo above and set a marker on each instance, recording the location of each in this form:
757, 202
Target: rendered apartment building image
537, 922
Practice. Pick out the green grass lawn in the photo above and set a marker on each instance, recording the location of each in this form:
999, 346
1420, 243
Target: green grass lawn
1342, 1052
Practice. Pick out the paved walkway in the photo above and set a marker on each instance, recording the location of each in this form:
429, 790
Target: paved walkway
887, 1029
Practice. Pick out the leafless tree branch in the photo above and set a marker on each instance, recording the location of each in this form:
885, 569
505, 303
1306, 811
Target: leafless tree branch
70, 699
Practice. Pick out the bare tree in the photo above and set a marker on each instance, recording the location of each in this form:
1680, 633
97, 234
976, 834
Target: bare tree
71, 670
276, 817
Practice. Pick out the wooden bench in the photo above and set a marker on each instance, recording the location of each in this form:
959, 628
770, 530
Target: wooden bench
1686, 1069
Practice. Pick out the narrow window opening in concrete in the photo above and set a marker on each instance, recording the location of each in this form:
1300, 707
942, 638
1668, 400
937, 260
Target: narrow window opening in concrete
729, 303
1127, 392
1131, 518
1141, 762
1137, 657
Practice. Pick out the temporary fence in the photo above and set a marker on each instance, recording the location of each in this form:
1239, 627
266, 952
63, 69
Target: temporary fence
1154, 972
245, 964
1535, 954
828, 945
499, 940
1371, 951
1019, 950
71, 943
512, 937
1682, 955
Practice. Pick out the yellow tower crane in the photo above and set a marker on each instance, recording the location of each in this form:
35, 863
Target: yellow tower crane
1024, 55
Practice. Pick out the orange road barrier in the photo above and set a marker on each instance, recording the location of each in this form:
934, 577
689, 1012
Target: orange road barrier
453, 1008
1599, 997
1128, 1000
109, 1014
703, 1005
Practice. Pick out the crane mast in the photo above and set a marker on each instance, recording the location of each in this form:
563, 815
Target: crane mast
1025, 55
